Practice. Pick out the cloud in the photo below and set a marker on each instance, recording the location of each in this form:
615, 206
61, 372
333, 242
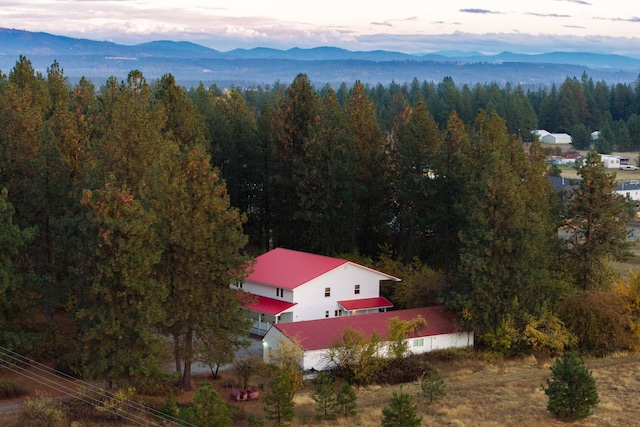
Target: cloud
634, 19
388, 22
492, 43
582, 2
481, 11
548, 15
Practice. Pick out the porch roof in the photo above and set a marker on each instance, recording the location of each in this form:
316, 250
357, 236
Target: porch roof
270, 305
366, 303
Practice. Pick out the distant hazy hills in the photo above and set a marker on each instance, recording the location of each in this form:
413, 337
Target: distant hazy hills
191, 63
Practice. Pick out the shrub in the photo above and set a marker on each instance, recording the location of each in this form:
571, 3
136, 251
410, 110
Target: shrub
600, 320
43, 411
398, 371
10, 389
571, 389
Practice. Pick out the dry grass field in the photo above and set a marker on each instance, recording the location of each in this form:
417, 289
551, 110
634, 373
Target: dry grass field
479, 393
570, 171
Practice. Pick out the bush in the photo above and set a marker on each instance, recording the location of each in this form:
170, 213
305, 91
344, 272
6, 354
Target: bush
571, 389
43, 411
399, 371
10, 389
600, 320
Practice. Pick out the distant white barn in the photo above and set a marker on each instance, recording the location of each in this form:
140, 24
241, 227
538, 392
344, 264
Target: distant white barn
540, 133
556, 138
595, 135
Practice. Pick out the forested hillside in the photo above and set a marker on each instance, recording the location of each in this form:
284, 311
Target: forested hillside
127, 209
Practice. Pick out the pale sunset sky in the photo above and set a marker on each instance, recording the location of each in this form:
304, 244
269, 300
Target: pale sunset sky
410, 26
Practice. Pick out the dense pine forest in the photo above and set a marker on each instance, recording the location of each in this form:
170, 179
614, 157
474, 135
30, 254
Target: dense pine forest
128, 208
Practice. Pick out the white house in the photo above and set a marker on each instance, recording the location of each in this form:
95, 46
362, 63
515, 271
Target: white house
610, 162
595, 135
629, 189
294, 286
556, 138
315, 337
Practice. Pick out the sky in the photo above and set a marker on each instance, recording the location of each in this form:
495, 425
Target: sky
410, 26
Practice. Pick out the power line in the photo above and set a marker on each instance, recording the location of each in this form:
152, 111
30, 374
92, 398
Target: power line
50, 377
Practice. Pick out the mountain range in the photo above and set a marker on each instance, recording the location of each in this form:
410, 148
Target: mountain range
192, 64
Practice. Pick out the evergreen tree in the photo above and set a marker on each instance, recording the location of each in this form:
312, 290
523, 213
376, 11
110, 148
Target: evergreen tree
208, 409
597, 218
449, 218
184, 125
16, 302
571, 389
418, 141
580, 137
123, 305
401, 412
326, 182
324, 394
278, 402
372, 172
347, 400
201, 241
508, 244
433, 386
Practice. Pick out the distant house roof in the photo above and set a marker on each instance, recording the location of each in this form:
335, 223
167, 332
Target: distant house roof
540, 132
562, 183
321, 334
366, 303
288, 269
269, 305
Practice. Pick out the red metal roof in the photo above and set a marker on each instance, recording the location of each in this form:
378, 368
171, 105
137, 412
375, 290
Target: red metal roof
269, 305
366, 303
288, 269
321, 334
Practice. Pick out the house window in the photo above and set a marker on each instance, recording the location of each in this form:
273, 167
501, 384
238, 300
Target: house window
326, 313
327, 292
338, 313
356, 289
419, 342
279, 292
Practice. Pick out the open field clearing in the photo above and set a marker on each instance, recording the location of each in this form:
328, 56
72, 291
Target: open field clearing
479, 393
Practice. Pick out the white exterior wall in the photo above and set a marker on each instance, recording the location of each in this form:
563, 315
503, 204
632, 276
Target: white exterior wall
311, 302
267, 291
316, 359
610, 161
556, 138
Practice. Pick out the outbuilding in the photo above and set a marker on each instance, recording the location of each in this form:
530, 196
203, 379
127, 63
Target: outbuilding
556, 138
316, 337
